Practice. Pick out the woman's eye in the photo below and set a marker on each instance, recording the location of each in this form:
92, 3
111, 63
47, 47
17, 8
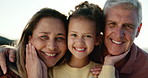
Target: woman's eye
44, 37
60, 38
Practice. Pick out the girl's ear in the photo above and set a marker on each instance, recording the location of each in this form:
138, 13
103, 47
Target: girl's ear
99, 40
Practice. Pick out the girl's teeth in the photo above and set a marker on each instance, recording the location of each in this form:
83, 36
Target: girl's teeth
79, 49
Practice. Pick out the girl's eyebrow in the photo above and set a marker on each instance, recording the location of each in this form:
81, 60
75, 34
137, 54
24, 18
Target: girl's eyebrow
78, 32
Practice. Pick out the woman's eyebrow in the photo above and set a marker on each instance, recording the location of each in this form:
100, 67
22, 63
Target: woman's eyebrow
61, 34
45, 32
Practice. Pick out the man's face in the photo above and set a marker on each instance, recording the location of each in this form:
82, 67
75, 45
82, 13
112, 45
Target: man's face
121, 29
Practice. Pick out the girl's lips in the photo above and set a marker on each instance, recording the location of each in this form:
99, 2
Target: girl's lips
80, 49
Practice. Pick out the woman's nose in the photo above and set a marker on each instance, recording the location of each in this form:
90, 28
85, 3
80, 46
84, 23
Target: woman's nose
52, 45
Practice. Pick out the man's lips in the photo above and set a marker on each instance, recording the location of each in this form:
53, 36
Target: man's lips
117, 42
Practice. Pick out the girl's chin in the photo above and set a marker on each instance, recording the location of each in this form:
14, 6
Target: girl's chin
50, 64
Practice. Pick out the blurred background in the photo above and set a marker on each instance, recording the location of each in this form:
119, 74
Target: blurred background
14, 15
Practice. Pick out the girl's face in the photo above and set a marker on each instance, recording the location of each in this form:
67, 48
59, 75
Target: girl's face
81, 37
49, 39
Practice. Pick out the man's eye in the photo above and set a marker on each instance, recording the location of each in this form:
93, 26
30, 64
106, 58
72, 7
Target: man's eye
74, 35
129, 26
111, 24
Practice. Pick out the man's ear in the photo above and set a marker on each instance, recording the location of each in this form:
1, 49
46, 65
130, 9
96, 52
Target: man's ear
99, 40
138, 30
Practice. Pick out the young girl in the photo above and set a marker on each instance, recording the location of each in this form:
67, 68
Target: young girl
85, 25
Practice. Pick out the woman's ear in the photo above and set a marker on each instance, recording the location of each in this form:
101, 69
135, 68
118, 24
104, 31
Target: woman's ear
99, 40
29, 39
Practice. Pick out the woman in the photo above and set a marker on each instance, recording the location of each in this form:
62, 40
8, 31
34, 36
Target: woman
45, 34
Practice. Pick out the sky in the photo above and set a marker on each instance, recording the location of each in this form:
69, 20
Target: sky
14, 15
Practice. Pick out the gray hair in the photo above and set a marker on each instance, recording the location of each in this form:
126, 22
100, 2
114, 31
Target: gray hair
125, 4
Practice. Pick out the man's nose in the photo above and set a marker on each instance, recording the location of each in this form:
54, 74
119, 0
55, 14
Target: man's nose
120, 32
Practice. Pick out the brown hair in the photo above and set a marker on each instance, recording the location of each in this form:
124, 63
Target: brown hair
93, 13
28, 30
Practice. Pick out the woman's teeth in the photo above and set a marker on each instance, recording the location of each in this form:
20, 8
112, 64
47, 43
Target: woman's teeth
52, 55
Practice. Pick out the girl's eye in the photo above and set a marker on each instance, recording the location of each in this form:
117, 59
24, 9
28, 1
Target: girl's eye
44, 37
88, 36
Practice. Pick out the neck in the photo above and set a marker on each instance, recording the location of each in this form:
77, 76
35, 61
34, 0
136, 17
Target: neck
78, 63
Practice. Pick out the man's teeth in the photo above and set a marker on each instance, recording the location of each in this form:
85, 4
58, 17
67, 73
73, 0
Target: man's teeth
116, 42
80, 49
50, 54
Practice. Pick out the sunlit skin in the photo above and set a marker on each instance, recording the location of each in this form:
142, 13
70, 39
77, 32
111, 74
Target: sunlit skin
121, 29
49, 39
81, 39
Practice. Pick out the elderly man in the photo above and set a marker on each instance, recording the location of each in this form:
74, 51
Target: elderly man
122, 25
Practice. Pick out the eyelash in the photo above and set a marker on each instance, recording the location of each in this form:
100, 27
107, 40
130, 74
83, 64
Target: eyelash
129, 26
57, 38
74, 35
60, 38
88, 36
111, 24
85, 36
44, 37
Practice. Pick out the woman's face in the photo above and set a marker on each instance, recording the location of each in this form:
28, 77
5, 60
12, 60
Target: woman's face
49, 39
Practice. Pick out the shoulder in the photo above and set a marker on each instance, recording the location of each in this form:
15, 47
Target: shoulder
142, 54
141, 62
138, 52
9, 74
